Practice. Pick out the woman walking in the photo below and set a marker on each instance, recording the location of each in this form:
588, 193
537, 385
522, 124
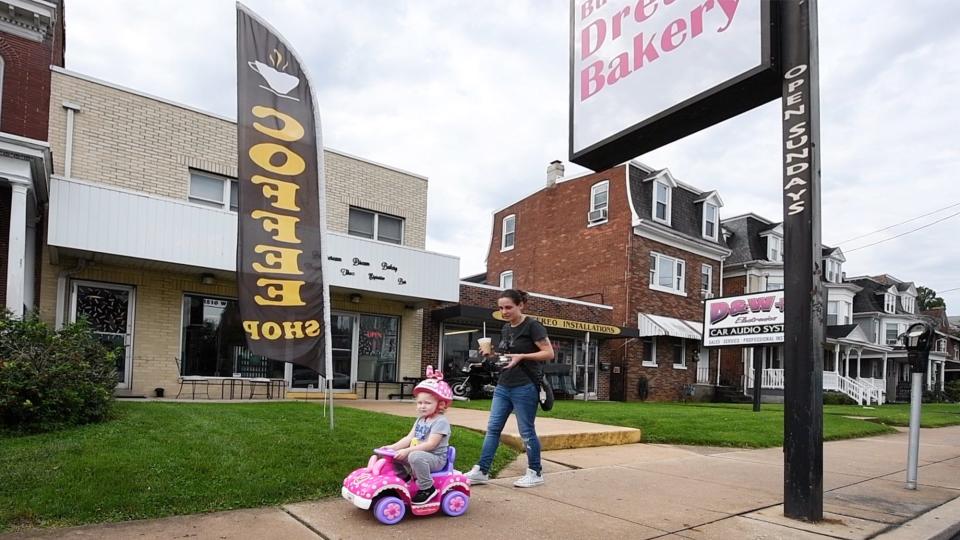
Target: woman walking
524, 342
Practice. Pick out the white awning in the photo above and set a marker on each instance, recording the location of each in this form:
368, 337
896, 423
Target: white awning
658, 325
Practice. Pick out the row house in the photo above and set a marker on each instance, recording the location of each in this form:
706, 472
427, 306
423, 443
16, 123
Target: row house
142, 243
947, 343
883, 309
755, 265
31, 40
636, 239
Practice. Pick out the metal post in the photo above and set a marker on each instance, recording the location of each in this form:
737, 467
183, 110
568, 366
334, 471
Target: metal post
913, 450
804, 293
757, 383
586, 368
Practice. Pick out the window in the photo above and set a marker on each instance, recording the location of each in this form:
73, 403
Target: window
666, 273
213, 343
506, 280
706, 279
909, 303
2, 66
709, 221
775, 248
876, 331
755, 284
892, 334
599, 201
774, 283
661, 202
832, 268
509, 232
832, 313
941, 345
889, 303
679, 349
375, 226
215, 191
649, 351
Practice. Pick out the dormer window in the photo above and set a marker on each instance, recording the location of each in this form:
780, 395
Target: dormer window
833, 270
890, 303
599, 201
661, 202
941, 345
710, 221
509, 232
774, 248
909, 303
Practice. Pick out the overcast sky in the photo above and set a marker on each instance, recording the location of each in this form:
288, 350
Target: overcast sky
473, 95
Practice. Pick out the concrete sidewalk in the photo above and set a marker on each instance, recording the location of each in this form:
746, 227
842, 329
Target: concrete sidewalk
636, 491
554, 433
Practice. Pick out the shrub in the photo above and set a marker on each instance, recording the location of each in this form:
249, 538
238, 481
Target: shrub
52, 379
837, 398
952, 390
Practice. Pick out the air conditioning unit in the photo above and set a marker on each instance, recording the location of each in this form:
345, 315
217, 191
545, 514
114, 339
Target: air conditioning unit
708, 294
597, 215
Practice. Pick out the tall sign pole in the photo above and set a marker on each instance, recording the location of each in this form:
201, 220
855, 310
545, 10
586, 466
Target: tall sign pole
804, 293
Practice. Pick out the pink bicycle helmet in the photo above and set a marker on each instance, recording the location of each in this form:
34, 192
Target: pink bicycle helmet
435, 385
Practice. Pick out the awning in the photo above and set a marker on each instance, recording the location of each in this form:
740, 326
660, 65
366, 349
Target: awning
658, 325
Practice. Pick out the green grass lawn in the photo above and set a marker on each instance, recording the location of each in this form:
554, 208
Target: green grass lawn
714, 424
162, 459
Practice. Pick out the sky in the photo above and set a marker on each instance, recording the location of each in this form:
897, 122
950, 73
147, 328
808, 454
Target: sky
474, 96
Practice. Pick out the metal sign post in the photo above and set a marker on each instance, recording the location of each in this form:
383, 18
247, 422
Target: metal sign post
757, 381
804, 293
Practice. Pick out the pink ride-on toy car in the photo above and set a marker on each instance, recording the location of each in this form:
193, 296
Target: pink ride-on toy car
377, 486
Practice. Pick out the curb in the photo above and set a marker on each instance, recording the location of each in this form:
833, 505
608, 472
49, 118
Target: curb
941, 523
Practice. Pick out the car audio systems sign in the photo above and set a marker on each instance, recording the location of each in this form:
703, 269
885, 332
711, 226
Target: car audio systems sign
644, 73
749, 319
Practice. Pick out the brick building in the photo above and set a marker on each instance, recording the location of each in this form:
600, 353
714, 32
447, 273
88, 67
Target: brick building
451, 331
633, 238
31, 40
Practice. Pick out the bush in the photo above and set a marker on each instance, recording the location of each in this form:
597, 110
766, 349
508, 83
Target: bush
837, 398
49, 379
952, 390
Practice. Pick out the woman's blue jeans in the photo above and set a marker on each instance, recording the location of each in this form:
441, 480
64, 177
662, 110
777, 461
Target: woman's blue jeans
523, 402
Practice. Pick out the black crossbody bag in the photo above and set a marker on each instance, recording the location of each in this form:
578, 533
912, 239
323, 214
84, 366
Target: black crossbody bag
546, 391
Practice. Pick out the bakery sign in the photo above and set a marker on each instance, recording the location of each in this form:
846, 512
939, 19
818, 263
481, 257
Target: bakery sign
644, 73
749, 319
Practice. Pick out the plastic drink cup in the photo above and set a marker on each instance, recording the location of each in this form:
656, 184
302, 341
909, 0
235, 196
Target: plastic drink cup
486, 345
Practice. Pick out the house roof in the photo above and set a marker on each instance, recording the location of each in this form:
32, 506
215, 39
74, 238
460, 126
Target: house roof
686, 216
870, 298
839, 331
744, 239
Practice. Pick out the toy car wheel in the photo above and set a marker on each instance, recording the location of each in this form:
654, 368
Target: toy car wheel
389, 510
455, 503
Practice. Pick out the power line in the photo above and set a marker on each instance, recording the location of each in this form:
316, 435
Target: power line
948, 290
903, 233
898, 224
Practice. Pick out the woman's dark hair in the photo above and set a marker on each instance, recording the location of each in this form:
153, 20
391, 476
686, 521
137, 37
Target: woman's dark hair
518, 296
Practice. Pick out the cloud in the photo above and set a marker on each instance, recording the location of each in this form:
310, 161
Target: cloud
473, 95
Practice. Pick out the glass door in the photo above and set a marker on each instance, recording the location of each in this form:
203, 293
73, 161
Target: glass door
585, 371
344, 345
109, 310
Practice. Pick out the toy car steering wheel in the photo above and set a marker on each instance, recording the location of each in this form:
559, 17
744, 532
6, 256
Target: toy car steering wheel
385, 452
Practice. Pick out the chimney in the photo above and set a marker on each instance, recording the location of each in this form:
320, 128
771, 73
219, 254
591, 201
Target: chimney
554, 172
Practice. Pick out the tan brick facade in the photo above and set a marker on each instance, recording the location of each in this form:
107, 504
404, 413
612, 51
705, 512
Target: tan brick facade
129, 140
136, 142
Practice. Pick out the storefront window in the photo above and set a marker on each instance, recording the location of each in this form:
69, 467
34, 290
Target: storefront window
377, 352
213, 342
460, 346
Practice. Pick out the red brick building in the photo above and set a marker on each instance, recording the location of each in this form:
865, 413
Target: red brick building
635, 239
31, 40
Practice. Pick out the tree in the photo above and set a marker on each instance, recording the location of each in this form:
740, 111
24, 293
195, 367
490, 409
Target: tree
928, 299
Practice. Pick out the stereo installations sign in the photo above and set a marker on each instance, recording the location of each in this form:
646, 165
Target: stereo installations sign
644, 73
750, 319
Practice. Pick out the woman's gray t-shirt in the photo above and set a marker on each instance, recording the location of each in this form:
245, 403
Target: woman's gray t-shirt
521, 339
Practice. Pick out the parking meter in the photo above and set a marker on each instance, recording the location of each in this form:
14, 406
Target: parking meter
918, 340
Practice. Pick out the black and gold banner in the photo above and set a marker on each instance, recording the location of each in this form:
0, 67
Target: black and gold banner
281, 200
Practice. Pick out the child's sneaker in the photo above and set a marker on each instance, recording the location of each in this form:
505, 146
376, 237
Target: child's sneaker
531, 479
423, 496
476, 476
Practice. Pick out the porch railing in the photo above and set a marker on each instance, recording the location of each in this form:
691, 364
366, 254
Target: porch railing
703, 373
863, 391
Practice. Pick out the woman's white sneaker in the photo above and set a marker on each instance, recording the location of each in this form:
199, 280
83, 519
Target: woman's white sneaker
476, 476
531, 479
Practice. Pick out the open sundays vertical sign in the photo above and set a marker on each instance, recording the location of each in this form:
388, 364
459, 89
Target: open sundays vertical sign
644, 73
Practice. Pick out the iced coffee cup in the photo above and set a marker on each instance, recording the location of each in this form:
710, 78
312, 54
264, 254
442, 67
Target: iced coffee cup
486, 346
